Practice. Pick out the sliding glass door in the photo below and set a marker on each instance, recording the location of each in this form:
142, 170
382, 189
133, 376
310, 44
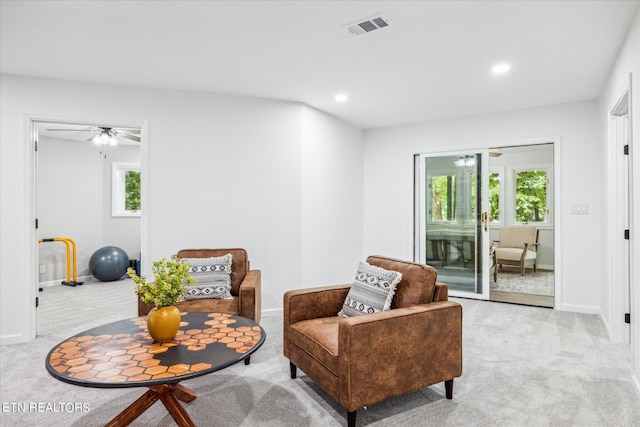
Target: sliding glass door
451, 220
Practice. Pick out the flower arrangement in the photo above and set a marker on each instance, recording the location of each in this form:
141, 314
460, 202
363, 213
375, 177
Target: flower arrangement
170, 285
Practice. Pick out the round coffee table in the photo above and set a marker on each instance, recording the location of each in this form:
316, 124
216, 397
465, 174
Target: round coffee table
123, 354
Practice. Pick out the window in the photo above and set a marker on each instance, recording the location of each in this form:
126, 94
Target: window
443, 193
452, 196
125, 189
496, 195
532, 196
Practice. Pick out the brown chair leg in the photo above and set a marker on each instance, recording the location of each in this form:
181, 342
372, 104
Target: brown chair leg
351, 418
448, 386
294, 370
247, 360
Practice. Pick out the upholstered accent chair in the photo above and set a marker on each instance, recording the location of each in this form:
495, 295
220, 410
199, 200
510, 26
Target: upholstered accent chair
366, 359
518, 246
245, 287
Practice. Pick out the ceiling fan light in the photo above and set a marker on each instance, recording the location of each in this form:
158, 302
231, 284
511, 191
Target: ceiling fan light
113, 140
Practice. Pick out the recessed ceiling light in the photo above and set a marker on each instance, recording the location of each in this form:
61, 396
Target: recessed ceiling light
501, 68
341, 97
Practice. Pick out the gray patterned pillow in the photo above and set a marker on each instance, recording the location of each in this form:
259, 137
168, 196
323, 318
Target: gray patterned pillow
371, 291
213, 277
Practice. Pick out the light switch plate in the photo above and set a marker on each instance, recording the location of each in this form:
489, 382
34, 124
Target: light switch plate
579, 208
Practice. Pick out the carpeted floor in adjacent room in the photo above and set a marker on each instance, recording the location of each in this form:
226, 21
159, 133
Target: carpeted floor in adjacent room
523, 366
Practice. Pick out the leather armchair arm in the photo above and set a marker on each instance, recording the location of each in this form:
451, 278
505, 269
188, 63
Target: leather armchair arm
441, 292
313, 303
250, 293
398, 351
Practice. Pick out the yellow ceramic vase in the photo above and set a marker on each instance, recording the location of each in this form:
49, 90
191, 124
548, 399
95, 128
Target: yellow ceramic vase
163, 323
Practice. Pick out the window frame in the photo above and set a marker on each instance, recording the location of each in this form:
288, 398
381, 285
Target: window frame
546, 167
118, 189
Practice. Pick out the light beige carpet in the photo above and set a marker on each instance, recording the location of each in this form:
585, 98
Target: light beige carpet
522, 366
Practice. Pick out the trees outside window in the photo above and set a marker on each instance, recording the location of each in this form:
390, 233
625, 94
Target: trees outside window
132, 190
125, 188
443, 190
494, 197
531, 196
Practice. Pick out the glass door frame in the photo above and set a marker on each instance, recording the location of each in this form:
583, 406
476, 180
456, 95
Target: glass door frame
420, 204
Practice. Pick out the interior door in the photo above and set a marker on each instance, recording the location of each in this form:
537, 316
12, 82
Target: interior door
451, 219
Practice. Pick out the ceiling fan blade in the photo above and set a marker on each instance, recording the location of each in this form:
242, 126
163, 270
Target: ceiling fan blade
127, 130
71, 130
131, 137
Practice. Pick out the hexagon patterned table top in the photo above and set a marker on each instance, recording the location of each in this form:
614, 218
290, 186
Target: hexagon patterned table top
123, 354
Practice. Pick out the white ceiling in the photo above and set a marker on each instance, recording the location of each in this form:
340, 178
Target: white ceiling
433, 61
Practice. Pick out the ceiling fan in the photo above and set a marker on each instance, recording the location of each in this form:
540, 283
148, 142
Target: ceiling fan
106, 135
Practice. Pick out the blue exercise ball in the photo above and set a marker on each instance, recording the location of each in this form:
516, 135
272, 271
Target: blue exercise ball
109, 263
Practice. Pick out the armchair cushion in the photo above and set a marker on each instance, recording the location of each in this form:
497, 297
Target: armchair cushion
514, 254
418, 284
240, 263
319, 338
372, 291
213, 276
516, 237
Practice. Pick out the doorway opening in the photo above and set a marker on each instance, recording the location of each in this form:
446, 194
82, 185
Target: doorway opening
75, 192
522, 230
620, 134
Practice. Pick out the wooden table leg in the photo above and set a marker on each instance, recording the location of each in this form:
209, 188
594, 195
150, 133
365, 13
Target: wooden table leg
183, 393
168, 394
134, 410
177, 412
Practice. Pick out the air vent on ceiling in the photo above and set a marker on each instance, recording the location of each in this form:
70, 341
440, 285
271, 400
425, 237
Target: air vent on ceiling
367, 25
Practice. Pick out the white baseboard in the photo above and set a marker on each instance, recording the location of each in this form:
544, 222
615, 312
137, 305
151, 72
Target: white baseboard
272, 312
59, 281
581, 309
13, 339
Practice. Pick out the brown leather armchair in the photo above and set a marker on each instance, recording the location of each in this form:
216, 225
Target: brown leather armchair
245, 287
367, 359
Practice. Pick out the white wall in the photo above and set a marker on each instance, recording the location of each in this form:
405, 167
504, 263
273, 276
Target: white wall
74, 200
332, 178
389, 184
628, 61
69, 204
218, 171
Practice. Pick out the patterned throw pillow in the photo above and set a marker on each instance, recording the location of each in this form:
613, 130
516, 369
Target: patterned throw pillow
372, 291
213, 277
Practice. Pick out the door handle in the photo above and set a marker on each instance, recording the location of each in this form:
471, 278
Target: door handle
485, 221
